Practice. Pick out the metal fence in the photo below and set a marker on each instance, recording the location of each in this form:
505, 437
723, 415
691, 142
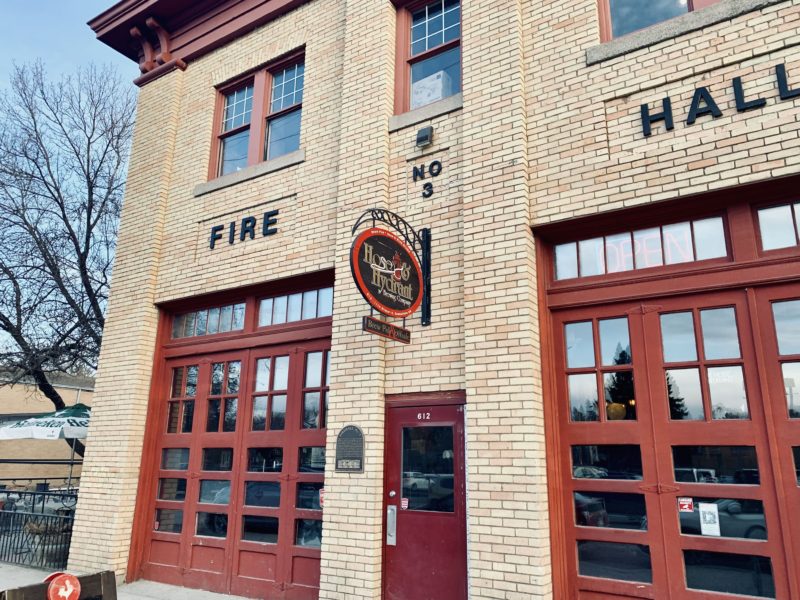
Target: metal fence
35, 539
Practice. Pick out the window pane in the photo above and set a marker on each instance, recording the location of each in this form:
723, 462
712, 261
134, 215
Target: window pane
279, 310
175, 459
678, 247
787, 326
217, 459
202, 321
311, 408
619, 395
259, 413
312, 460
238, 317
647, 248
295, 307
566, 261
720, 333
177, 382
212, 418
177, 326
188, 416
234, 370
213, 321
777, 227
173, 417
238, 106
217, 375
728, 395
677, 337
313, 369
215, 492
685, 395
262, 374
231, 409
610, 560
172, 489
591, 257
619, 253
583, 397
308, 495
716, 464
212, 524
580, 345
260, 529
169, 520
607, 462
281, 373
234, 152
436, 77
287, 87
796, 453
310, 304
325, 302
428, 468
277, 421
709, 238
737, 518
284, 134
188, 330
265, 460
308, 533
791, 384
739, 574
265, 313
225, 316
630, 15
262, 493
615, 343
603, 509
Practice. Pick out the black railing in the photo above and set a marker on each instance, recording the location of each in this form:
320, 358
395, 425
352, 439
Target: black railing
35, 539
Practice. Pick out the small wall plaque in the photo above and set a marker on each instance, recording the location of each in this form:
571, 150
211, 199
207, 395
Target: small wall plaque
350, 450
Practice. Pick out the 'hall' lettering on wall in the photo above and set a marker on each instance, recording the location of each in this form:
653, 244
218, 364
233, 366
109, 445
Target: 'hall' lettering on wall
703, 103
247, 228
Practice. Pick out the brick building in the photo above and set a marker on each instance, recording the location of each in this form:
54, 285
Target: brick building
610, 188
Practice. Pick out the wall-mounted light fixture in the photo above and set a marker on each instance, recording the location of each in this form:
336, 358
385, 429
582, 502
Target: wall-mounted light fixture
425, 137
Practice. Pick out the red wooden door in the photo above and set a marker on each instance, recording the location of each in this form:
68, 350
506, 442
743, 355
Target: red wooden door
425, 553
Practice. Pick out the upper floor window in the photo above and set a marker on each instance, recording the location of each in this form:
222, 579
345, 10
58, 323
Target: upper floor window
259, 117
625, 16
779, 226
429, 57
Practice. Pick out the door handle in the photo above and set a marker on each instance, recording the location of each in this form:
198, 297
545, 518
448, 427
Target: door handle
391, 525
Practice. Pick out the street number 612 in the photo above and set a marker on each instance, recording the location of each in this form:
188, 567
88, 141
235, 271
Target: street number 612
424, 416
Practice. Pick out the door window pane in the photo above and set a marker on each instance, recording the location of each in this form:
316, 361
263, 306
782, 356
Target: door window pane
709, 238
566, 261
212, 524
619, 396
308, 533
214, 491
312, 460
602, 509
777, 227
265, 460
592, 257
281, 373
728, 395
260, 529
262, 493
259, 413
229, 421
796, 452
217, 375
308, 495
262, 374
212, 419
685, 395
277, 419
172, 489
173, 417
716, 464
787, 326
188, 416
191, 380
313, 369
647, 248
720, 333
175, 459
677, 337
580, 345
311, 407
678, 247
737, 518
234, 370
428, 468
177, 382
583, 397
168, 520
607, 462
217, 459
791, 384
610, 560
615, 343
739, 574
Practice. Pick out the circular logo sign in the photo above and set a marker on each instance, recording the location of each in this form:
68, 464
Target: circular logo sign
386, 272
64, 587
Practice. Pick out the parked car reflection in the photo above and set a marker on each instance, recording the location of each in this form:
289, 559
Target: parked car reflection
737, 519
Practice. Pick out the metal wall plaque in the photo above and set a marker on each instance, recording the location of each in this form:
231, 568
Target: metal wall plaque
350, 450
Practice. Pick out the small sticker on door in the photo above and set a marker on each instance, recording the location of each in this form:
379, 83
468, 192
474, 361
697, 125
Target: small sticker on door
709, 519
686, 505
404, 503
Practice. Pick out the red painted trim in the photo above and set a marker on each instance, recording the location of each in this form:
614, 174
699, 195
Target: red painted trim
427, 398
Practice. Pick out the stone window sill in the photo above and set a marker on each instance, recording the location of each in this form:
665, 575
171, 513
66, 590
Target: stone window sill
725, 10
251, 172
426, 113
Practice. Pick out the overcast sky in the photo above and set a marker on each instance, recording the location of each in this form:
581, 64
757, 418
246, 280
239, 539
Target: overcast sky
56, 32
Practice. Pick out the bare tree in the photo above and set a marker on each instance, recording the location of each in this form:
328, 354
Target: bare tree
63, 156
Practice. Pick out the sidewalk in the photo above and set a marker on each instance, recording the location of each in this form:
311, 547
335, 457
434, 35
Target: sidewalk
13, 576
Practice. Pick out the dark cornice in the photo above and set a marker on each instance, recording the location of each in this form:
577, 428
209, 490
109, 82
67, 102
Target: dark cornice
161, 35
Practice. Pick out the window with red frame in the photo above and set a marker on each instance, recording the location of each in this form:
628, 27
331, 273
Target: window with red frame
260, 117
625, 16
429, 44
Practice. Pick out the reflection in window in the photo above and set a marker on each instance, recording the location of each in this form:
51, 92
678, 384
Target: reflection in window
630, 15
214, 491
211, 321
438, 75
308, 533
175, 459
212, 524
739, 574
738, 518
610, 560
677, 337
619, 395
308, 496
716, 464
295, 307
720, 333
728, 395
428, 468
580, 345
312, 459
778, 226
615, 343
583, 397
787, 326
168, 520
796, 452
172, 489
685, 395
265, 460
260, 529
607, 462
262, 493
791, 385
605, 509
217, 459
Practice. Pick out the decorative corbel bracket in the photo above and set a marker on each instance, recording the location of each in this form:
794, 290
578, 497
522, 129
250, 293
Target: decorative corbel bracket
149, 62
164, 54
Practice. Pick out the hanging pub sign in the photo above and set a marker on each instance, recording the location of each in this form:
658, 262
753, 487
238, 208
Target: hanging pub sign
391, 268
